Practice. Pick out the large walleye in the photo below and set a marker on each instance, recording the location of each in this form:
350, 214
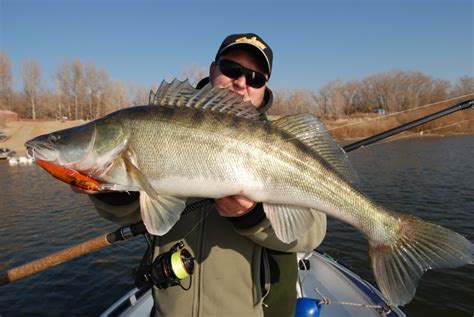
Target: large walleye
208, 144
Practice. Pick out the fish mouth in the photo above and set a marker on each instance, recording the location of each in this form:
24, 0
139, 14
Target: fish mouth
30, 151
40, 151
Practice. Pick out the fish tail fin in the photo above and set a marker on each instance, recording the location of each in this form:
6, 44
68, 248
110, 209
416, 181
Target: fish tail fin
420, 246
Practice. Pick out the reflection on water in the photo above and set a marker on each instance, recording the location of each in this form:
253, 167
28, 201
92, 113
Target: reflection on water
40, 215
430, 177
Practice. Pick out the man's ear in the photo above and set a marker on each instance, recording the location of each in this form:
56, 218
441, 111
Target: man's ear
212, 69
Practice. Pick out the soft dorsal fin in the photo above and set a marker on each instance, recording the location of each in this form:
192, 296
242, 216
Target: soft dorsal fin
313, 133
182, 94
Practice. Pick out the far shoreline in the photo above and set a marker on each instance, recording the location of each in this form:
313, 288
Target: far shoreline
18, 132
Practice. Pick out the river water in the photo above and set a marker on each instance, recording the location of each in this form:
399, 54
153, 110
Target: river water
429, 177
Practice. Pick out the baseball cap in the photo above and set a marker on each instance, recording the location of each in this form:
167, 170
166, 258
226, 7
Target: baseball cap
248, 40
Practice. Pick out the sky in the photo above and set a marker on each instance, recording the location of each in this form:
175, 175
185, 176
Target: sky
314, 42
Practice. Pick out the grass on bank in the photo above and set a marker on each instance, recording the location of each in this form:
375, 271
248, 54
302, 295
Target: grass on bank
364, 125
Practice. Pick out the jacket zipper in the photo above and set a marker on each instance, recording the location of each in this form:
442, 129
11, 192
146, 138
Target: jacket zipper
200, 248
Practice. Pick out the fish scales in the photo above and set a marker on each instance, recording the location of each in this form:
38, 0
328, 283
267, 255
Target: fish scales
223, 151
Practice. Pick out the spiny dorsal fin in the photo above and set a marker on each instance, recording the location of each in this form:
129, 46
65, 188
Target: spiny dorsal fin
313, 133
174, 94
182, 94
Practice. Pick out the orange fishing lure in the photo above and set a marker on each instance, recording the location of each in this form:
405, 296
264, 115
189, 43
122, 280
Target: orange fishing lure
69, 176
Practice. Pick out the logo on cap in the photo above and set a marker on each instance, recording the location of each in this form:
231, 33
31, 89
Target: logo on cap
253, 40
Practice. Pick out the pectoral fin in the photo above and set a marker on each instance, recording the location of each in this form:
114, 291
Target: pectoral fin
289, 222
139, 177
160, 213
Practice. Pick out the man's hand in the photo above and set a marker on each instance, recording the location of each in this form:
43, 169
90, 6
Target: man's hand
230, 206
234, 206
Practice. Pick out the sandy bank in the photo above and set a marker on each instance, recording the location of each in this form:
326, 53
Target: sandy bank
19, 132
344, 130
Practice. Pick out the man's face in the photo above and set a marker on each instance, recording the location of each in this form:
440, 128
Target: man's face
239, 85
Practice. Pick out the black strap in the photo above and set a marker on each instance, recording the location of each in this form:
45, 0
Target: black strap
143, 271
198, 205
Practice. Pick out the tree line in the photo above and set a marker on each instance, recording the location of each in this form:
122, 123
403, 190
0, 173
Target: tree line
392, 91
83, 91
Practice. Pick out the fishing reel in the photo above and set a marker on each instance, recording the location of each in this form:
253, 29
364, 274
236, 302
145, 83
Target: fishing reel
168, 269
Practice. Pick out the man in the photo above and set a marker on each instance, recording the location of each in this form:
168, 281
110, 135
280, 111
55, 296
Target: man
241, 268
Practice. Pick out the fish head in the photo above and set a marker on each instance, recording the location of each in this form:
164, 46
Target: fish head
89, 148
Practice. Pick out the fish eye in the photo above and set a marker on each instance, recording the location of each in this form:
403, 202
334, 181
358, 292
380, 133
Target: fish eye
53, 138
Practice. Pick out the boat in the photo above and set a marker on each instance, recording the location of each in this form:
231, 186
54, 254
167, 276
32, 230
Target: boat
6, 153
337, 291
20, 160
324, 288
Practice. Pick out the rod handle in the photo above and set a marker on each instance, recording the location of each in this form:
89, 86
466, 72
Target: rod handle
54, 259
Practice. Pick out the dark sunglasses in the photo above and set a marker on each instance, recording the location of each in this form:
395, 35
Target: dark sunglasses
234, 70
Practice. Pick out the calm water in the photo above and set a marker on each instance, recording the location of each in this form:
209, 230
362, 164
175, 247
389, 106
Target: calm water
430, 177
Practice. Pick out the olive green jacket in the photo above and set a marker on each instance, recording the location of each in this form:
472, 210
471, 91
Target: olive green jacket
227, 277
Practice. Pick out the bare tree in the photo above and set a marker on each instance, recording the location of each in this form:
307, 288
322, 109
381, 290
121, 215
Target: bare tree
334, 99
138, 94
322, 100
31, 74
339, 98
280, 103
290, 102
71, 83
117, 97
63, 88
58, 99
6, 82
101, 90
463, 86
194, 73
91, 85
78, 87
401, 90
49, 103
300, 101
86, 92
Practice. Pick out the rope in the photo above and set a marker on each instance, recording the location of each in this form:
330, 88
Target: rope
197, 205
445, 126
396, 113
422, 132
326, 301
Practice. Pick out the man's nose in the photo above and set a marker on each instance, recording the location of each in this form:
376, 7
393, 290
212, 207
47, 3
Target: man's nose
240, 82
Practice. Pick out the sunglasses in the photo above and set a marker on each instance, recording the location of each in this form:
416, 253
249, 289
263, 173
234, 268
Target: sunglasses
234, 70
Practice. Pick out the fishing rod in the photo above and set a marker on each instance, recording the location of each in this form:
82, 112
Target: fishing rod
89, 246
73, 252
383, 135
